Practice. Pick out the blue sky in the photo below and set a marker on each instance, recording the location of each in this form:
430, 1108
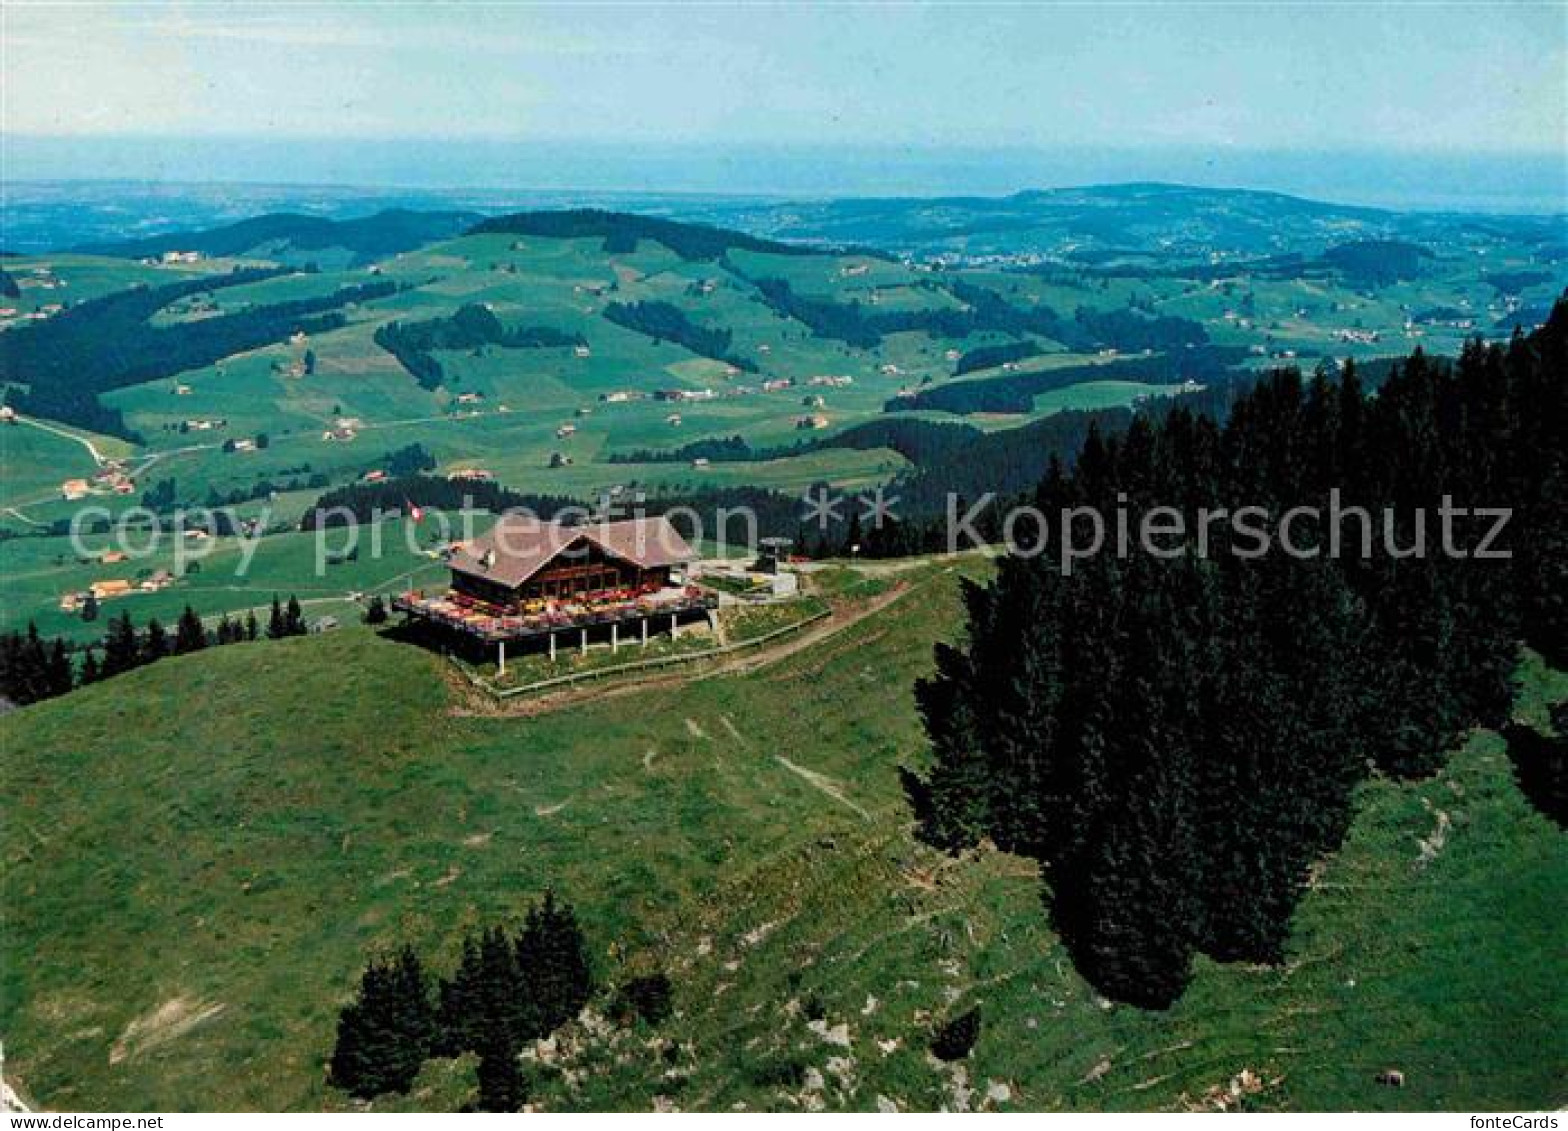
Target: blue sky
1280, 77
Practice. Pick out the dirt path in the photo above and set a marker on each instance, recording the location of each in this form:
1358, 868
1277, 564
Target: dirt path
92, 449
475, 702
823, 783
892, 566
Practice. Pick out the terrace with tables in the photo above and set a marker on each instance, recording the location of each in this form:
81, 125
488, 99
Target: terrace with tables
491, 623
547, 583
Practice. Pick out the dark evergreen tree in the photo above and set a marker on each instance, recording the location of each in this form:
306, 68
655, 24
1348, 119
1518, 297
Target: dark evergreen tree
462, 1004
500, 1076
293, 619
1176, 739
384, 1035
505, 1006
277, 626
59, 677
552, 962
121, 650
647, 997
954, 1039
28, 674
1541, 764
155, 642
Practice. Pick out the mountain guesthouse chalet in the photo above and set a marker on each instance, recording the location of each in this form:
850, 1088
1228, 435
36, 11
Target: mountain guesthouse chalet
534, 581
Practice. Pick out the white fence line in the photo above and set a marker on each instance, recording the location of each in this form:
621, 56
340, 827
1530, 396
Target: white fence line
637, 665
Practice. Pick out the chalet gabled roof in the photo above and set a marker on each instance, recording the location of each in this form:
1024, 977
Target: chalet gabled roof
519, 546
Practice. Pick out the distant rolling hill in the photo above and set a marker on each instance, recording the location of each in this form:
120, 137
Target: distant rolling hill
1100, 222
296, 239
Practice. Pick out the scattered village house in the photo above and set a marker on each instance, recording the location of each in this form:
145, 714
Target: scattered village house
158, 579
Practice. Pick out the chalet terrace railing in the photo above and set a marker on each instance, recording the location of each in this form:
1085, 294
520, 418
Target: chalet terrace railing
493, 627
636, 667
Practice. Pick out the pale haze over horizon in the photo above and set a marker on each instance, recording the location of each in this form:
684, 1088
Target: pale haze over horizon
821, 99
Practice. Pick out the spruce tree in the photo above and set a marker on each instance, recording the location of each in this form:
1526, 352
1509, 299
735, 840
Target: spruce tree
499, 1075
294, 618
59, 676
1541, 764
553, 966
277, 627
503, 1008
461, 1004
384, 1034
121, 650
154, 643
190, 635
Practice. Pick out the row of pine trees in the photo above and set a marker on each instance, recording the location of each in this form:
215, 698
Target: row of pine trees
33, 669
1176, 740
507, 990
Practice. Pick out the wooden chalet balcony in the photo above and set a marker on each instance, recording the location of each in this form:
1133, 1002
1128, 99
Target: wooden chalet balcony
492, 624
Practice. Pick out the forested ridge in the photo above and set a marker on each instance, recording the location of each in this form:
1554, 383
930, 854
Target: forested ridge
368, 238
663, 321
471, 327
1176, 739
983, 309
621, 231
989, 357
1015, 392
107, 343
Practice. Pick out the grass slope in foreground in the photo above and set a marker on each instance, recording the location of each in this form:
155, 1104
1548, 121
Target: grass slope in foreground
193, 879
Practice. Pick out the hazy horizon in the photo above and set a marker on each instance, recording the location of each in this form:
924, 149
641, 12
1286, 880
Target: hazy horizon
1455, 105
1480, 181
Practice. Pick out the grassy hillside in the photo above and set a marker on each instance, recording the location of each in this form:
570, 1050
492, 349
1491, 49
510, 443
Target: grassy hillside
193, 879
